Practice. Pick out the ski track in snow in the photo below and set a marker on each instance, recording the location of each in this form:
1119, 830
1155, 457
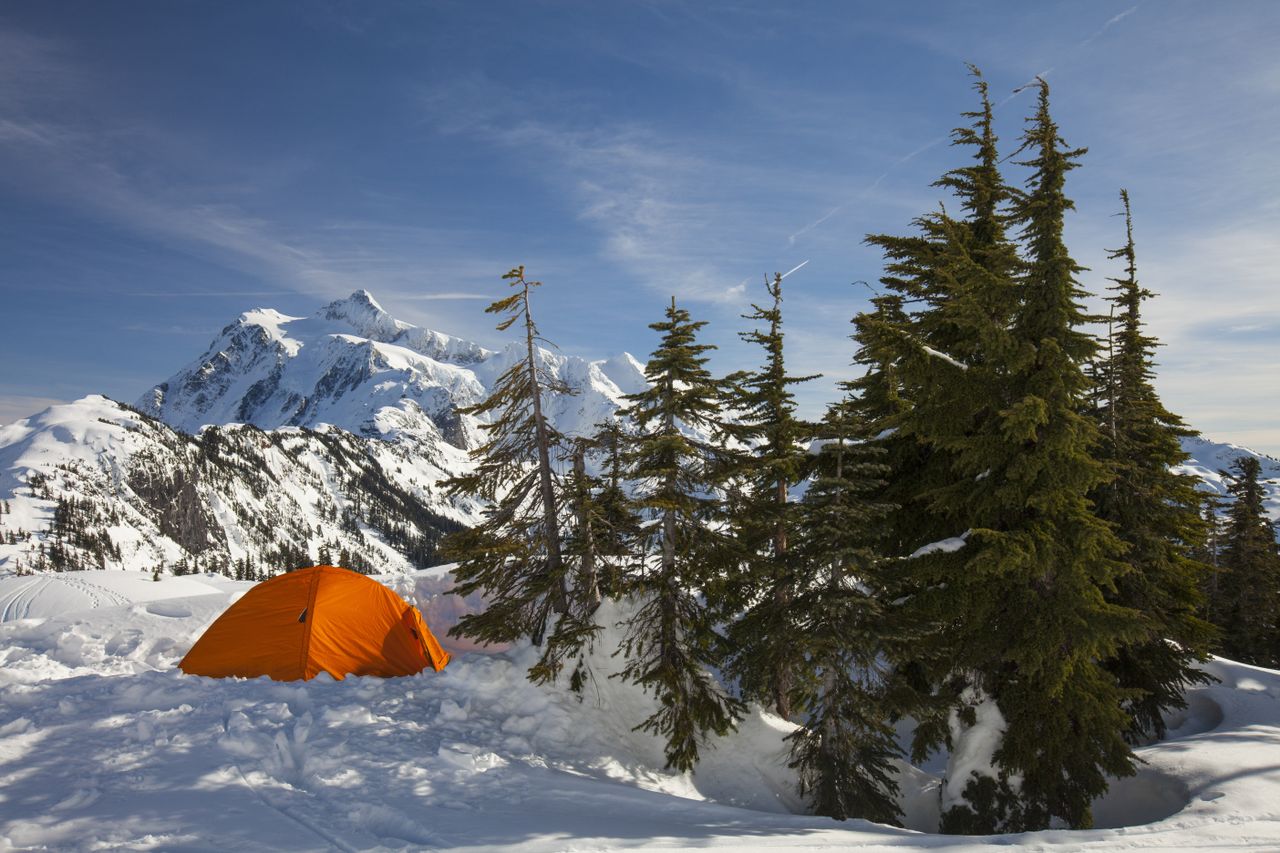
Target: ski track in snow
16, 604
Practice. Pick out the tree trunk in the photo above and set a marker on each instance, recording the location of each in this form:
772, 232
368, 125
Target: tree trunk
551, 525
590, 586
782, 601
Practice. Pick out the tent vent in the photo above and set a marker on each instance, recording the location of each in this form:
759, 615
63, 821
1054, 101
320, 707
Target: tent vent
302, 617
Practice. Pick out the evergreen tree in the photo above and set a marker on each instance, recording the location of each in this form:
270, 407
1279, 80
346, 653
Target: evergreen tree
671, 638
1039, 570
584, 541
844, 751
765, 518
1250, 601
1154, 510
515, 555
1014, 589
936, 385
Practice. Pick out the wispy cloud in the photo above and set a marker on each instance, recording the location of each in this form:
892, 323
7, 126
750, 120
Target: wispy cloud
198, 294
676, 219
167, 329
446, 297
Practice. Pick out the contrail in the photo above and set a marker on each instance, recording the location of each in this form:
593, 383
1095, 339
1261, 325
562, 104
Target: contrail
793, 269
791, 240
1115, 20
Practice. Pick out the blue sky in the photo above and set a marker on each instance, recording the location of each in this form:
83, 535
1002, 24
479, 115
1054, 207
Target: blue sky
167, 165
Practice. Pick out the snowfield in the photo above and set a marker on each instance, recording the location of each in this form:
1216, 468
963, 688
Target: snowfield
105, 745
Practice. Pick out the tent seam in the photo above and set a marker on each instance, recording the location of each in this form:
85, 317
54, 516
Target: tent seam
310, 623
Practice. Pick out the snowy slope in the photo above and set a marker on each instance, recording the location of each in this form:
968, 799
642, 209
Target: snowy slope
105, 745
356, 367
94, 484
1210, 458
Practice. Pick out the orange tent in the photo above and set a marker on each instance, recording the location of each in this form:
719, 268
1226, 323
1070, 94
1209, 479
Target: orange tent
321, 619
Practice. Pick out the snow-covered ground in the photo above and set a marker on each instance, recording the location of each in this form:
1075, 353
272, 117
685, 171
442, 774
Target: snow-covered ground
104, 744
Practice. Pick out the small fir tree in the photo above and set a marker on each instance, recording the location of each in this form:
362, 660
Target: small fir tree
765, 518
515, 555
600, 540
617, 528
844, 751
671, 639
1155, 511
1250, 599
1210, 553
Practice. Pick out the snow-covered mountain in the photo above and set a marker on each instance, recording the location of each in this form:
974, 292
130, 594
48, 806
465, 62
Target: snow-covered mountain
94, 484
354, 366
1209, 459
290, 439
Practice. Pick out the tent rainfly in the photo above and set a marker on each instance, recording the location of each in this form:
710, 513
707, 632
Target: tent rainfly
321, 619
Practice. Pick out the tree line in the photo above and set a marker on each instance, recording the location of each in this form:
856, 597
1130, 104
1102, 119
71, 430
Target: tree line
990, 537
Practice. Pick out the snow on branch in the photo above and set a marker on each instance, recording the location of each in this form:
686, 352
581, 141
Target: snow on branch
942, 355
943, 546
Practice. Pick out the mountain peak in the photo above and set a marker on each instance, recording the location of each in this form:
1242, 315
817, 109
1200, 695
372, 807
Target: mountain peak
364, 299
365, 316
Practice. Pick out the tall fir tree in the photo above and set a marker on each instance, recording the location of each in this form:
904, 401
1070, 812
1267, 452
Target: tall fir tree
1044, 565
515, 555
671, 639
1249, 605
1015, 588
844, 750
1154, 509
763, 655
939, 348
